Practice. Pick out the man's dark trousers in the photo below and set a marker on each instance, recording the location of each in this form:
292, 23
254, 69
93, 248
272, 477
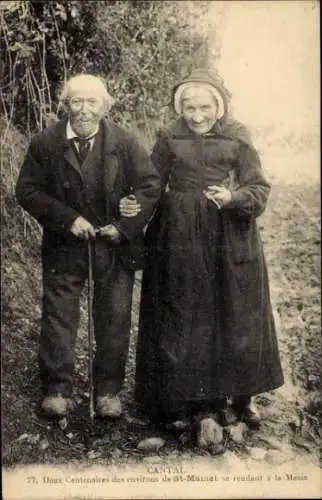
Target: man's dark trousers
113, 285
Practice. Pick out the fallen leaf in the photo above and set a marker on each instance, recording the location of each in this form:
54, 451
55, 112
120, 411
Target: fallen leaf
34, 438
92, 454
44, 444
117, 453
30, 438
102, 441
135, 421
63, 423
23, 437
236, 432
271, 442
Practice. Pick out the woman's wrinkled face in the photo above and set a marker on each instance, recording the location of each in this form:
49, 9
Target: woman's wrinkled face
199, 109
85, 108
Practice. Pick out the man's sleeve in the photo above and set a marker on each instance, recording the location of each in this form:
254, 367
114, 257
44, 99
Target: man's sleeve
32, 192
144, 180
162, 158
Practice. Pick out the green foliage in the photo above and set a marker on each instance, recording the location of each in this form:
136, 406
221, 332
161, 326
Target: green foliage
20, 234
140, 47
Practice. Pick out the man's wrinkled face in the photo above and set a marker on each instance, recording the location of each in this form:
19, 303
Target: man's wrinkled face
199, 110
85, 110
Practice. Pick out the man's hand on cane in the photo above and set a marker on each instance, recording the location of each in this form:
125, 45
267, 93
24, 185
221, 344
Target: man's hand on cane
83, 229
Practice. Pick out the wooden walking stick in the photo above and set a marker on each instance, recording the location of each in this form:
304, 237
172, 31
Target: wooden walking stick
90, 329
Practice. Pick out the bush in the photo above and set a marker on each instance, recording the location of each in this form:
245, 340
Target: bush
140, 47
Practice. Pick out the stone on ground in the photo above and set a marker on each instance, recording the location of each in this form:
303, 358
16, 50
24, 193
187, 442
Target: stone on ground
210, 433
151, 444
236, 432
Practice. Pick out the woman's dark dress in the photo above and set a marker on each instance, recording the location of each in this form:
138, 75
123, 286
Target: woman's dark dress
206, 325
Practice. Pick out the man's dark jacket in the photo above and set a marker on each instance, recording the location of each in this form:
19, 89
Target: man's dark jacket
52, 188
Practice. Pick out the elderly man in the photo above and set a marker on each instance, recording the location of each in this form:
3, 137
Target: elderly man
72, 179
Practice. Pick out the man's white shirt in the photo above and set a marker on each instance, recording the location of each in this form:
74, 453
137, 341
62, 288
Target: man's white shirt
70, 134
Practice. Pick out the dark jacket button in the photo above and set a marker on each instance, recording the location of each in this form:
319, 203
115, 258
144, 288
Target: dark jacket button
67, 185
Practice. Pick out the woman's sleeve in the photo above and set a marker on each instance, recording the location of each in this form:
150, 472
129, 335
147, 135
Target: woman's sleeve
250, 197
162, 158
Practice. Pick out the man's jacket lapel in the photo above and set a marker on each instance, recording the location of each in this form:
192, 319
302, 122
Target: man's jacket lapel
71, 158
64, 148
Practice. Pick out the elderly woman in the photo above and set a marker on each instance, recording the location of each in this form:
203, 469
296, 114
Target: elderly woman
206, 329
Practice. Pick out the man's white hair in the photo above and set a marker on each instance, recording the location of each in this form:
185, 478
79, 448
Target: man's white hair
86, 81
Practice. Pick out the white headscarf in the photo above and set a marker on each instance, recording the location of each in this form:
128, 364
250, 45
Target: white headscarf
178, 96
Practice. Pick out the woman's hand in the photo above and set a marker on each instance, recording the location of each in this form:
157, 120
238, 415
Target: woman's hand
129, 206
220, 195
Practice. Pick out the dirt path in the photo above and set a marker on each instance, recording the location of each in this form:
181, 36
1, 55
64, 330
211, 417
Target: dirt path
291, 415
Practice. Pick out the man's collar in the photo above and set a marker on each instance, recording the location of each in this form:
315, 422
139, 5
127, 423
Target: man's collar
70, 133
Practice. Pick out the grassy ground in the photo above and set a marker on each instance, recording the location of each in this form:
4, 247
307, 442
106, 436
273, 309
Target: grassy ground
291, 415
